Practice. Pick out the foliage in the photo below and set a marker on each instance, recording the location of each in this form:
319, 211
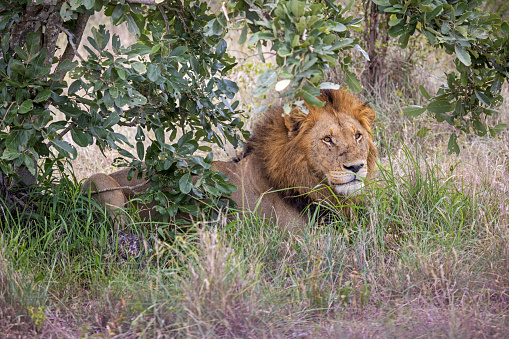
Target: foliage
480, 42
171, 84
297, 31
308, 37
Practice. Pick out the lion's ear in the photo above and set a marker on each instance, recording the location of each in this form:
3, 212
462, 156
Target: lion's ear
367, 115
293, 122
288, 122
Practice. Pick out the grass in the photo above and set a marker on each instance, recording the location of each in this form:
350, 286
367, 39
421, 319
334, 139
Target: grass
426, 256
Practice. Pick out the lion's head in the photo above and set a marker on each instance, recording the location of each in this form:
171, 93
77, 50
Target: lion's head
331, 145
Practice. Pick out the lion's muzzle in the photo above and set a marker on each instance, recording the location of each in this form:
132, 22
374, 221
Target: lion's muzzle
348, 182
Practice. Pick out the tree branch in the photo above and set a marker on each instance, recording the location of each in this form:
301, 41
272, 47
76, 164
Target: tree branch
165, 17
61, 134
70, 42
180, 11
71, 49
143, 2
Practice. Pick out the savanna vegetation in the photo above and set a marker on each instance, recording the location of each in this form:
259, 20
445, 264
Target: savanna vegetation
178, 81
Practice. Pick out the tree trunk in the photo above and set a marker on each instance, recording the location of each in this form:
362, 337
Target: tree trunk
45, 20
374, 76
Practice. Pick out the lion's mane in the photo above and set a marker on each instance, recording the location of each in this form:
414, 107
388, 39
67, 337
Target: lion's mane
280, 147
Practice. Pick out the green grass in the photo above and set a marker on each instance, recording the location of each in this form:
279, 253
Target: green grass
426, 255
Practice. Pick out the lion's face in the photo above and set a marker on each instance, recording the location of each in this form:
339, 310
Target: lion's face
330, 145
338, 152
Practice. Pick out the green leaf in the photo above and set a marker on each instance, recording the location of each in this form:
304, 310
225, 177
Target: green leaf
414, 110
131, 26
394, 22
479, 128
505, 27
496, 86
396, 31
403, 40
43, 96
440, 106
482, 98
113, 92
26, 107
64, 148
21, 53
497, 129
429, 16
384, 3
463, 55
112, 120
178, 51
342, 43
424, 92
284, 51
221, 48
260, 51
75, 86
212, 28
185, 183
70, 110
79, 137
211, 190
159, 133
339, 27
360, 49
89, 4
312, 100
267, 79
122, 74
138, 49
333, 5
243, 35
32, 42
139, 67
297, 7
17, 67
67, 65
452, 146
462, 30
352, 82
153, 72
140, 150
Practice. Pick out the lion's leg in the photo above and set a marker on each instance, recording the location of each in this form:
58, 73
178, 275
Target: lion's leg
110, 194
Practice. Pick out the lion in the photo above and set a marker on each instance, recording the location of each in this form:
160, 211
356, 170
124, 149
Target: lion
290, 162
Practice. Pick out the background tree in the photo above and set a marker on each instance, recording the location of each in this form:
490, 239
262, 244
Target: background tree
173, 80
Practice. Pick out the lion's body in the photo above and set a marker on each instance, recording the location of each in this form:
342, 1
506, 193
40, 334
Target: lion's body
291, 161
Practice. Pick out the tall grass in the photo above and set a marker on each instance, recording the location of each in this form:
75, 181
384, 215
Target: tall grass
426, 252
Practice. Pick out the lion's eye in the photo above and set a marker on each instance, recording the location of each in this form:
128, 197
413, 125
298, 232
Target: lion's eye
327, 140
358, 136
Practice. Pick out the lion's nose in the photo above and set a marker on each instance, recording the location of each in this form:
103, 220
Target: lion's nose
354, 168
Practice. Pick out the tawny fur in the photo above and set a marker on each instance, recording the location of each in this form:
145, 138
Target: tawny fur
287, 161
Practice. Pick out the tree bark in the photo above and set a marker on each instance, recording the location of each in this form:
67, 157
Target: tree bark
42, 19
374, 75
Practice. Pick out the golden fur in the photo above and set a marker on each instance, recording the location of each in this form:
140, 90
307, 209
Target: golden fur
290, 162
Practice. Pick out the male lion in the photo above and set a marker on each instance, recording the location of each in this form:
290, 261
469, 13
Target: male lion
291, 161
